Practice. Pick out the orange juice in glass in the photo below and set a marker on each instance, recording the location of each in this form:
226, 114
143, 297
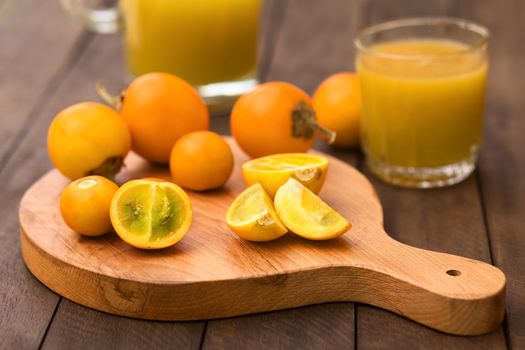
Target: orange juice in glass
203, 41
423, 83
210, 43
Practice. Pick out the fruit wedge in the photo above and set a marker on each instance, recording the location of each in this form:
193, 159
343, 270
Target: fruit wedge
252, 216
306, 215
273, 171
150, 213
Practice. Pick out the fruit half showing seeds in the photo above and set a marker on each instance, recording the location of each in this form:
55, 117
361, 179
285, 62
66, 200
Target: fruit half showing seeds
150, 214
252, 216
306, 215
273, 171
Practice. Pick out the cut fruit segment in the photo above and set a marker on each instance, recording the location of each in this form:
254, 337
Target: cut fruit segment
273, 171
252, 216
306, 215
150, 213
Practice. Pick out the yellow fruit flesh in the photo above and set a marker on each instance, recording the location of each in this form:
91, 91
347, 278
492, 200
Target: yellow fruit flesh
252, 216
273, 171
151, 214
306, 215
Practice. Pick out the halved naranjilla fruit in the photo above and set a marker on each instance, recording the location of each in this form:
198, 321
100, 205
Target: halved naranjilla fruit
273, 171
151, 213
252, 216
306, 215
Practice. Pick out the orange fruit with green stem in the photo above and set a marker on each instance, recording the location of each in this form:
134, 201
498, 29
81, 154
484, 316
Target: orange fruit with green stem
88, 138
275, 117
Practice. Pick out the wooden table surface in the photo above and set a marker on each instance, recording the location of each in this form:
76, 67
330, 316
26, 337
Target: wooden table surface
48, 61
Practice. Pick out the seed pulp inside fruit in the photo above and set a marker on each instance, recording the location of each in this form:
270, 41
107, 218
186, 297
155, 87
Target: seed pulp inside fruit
307, 174
252, 205
252, 216
305, 214
152, 211
316, 209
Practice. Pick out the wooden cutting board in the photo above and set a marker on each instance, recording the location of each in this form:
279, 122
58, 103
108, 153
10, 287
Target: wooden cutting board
212, 273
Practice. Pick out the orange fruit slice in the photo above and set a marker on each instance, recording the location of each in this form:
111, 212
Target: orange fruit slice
151, 214
306, 215
273, 171
252, 216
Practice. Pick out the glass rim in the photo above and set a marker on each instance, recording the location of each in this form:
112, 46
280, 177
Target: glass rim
461, 23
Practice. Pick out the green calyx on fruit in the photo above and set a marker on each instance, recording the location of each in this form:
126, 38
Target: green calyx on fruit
109, 168
304, 123
113, 101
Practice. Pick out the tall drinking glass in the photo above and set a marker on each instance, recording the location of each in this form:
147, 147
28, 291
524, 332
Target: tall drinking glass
210, 43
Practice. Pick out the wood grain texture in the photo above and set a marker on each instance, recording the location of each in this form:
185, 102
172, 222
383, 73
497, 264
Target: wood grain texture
502, 164
30, 71
310, 327
213, 273
101, 62
423, 219
314, 41
25, 304
104, 60
79, 328
37, 47
449, 220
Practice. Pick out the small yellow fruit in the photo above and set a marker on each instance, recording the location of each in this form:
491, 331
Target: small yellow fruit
84, 205
88, 139
151, 214
273, 171
252, 216
306, 215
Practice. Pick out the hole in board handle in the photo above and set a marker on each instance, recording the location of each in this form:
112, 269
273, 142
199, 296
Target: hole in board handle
454, 273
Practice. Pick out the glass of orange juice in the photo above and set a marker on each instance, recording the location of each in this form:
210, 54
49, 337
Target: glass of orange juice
210, 43
423, 86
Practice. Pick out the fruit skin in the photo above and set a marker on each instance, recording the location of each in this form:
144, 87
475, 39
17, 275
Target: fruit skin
261, 120
201, 160
312, 177
264, 226
84, 136
139, 241
306, 215
159, 108
84, 205
337, 103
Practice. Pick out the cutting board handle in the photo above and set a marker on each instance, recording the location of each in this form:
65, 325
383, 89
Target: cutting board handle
443, 291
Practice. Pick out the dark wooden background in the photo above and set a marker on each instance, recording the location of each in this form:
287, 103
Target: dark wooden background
48, 61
